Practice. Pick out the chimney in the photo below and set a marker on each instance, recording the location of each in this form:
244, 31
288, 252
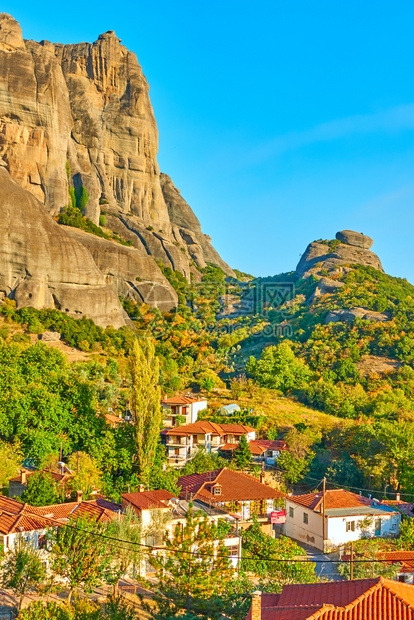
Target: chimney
141, 488
257, 605
79, 496
23, 476
397, 497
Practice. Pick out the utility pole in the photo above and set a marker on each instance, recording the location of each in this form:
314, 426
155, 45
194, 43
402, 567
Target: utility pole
352, 560
323, 515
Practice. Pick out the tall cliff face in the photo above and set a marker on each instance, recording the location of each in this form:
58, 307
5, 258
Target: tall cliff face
80, 115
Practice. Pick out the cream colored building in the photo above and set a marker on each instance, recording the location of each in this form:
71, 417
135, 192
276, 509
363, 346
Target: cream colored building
348, 517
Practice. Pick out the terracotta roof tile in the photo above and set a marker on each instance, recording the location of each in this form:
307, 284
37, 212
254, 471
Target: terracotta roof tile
203, 427
57, 477
144, 500
182, 399
337, 498
270, 444
363, 599
236, 486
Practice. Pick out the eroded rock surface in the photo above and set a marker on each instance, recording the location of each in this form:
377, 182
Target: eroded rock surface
350, 237
319, 257
42, 266
80, 116
356, 313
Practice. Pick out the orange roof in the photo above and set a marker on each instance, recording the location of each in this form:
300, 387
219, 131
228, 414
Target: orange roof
113, 419
236, 486
405, 558
270, 444
17, 517
182, 399
205, 427
406, 508
336, 498
362, 599
57, 477
143, 500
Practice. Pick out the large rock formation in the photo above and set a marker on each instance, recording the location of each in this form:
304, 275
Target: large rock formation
80, 116
353, 248
42, 266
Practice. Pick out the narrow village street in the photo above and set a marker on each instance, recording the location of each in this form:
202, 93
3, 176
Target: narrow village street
325, 569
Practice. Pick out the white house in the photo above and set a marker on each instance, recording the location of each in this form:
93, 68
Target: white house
183, 442
348, 517
185, 408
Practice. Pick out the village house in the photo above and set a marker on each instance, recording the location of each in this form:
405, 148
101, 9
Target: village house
183, 442
348, 517
239, 494
182, 408
405, 560
359, 599
18, 484
262, 450
33, 521
165, 511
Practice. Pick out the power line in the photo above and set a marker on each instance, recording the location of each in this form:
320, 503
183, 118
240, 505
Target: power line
340, 486
216, 556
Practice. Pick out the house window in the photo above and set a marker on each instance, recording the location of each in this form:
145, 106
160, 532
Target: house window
42, 541
291, 512
177, 451
233, 550
305, 517
350, 526
217, 490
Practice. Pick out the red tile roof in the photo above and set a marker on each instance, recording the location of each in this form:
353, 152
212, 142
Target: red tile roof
405, 558
337, 498
362, 599
144, 500
182, 399
236, 486
204, 427
57, 477
406, 508
270, 444
16, 517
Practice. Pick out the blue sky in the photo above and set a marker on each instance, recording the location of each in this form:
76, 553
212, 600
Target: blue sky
280, 122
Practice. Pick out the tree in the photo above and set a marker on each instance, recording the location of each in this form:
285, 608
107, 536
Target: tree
279, 368
22, 569
11, 459
145, 404
113, 608
294, 467
81, 555
261, 553
87, 476
406, 538
128, 529
194, 573
41, 490
242, 453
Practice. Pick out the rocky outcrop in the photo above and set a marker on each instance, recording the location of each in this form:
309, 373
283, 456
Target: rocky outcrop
325, 286
350, 237
356, 313
332, 258
80, 116
120, 266
42, 266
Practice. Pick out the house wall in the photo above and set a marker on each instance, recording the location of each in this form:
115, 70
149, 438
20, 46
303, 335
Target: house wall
310, 533
196, 408
336, 534
336, 528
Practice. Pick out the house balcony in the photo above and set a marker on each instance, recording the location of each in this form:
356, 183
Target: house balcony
178, 442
